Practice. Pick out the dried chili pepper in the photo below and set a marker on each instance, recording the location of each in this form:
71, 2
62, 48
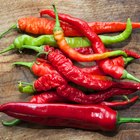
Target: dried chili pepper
62, 44
44, 83
93, 117
106, 65
76, 95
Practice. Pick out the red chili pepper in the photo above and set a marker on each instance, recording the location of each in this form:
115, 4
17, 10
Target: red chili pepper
116, 104
76, 95
132, 54
48, 97
46, 49
74, 74
98, 27
97, 117
106, 65
42, 67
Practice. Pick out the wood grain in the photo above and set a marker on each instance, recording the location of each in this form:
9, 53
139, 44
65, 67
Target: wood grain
89, 10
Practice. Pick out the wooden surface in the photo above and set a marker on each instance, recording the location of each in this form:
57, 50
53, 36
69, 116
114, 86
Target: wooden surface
89, 10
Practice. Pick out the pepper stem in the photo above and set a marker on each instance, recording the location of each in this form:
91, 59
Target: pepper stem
11, 122
127, 75
127, 120
11, 47
26, 89
11, 28
57, 23
27, 64
127, 60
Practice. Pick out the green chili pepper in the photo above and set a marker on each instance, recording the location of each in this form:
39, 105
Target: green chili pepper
74, 42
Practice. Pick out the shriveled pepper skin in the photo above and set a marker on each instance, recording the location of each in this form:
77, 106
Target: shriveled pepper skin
76, 95
47, 97
95, 117
74, 74
48, 82
41, 68
41, 26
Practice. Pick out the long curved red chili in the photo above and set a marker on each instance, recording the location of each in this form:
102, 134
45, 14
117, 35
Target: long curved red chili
93, 117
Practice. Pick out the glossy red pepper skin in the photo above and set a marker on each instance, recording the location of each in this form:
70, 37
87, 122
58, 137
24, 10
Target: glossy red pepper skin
95, 117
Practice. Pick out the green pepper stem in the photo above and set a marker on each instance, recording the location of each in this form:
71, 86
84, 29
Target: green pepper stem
26, 89
9, 48
127, 75
127, 120
27, 64
127, 60
57, 23
11, 122
10, 29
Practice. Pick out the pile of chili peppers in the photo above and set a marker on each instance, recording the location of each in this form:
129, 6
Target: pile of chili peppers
66, 94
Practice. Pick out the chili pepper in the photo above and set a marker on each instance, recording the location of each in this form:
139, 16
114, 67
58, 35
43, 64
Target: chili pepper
76, 95
74, 74
49, 40
51, 97
46, 97
41, 26
44, 83
120, 60
99, 27
116, 104
118, 84
106, 65
93, 117
55, 57
62, 44
132, 54
41, 67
